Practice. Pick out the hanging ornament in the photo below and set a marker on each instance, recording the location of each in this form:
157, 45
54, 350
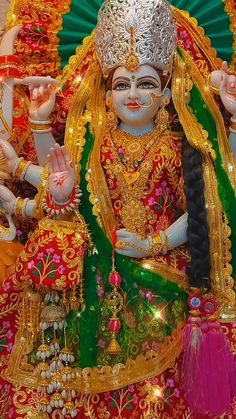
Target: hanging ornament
69, 409
115, 302
57, 400
54, 372
66, 355
31, 308
53, 314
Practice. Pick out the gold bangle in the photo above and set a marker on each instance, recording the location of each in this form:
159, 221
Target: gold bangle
214, 89
39, 127
157, 246
21, 167
19, 207
164, 241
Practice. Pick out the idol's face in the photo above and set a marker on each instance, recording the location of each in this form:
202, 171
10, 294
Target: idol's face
136, 95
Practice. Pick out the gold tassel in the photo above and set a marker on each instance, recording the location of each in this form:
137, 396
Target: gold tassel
74, 301
114, 347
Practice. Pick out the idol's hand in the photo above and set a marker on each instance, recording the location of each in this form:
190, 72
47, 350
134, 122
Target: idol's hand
227, 90
7, 200
61, 174
129, 244
42, 101
8, 156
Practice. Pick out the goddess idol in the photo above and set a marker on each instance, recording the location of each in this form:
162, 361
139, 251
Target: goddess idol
135, 222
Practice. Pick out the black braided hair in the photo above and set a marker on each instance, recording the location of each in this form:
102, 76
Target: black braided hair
198, 270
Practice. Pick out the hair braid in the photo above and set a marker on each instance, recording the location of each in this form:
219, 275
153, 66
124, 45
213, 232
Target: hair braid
198, 270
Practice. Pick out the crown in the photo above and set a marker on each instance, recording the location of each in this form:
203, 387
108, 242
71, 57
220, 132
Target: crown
135, 32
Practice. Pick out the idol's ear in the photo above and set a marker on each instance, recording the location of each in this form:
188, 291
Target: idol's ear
108, 98
167, 94
165, 97
108, 94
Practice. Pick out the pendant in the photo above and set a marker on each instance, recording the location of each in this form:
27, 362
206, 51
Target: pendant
134, 216
131, 177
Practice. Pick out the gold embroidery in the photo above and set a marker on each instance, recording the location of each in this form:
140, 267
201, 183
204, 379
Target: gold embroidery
97, 380
97, 186
168, 269
229, 298
197, 33
55, 230
14, 303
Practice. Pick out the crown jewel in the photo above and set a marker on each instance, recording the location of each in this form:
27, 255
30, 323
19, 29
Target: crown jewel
135, 32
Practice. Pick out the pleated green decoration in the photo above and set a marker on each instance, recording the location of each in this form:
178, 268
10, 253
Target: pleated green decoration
210, 14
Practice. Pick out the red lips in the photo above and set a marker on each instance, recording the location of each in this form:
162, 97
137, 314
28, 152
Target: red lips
133, 106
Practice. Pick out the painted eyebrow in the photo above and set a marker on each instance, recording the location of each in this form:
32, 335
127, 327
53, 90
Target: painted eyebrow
121, 79
140, 78
148, 77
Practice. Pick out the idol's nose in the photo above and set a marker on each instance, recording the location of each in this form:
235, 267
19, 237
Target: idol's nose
133, 92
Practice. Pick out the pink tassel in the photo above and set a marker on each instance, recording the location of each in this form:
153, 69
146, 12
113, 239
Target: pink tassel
192, 345
216, 366
209, 368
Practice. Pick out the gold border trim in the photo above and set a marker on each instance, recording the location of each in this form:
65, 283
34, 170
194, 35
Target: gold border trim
99, 380
198, 35
171, 274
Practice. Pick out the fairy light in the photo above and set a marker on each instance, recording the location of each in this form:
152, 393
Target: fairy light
157, 392
78, 79
157, 314
146, 265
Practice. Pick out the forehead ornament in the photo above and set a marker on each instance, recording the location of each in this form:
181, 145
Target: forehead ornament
132, 63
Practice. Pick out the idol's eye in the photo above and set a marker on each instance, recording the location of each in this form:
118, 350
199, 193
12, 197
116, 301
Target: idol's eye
148, 85
120, 86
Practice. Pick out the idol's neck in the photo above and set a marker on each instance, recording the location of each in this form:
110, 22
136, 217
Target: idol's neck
138, 132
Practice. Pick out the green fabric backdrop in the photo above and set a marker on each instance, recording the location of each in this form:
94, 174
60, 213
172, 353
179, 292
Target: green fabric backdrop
82, 18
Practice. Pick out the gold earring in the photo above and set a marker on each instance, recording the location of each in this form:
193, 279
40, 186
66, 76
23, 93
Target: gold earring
162, 118
111, 117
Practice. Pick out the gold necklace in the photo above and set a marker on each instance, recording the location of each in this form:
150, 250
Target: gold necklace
131, 186
132, 151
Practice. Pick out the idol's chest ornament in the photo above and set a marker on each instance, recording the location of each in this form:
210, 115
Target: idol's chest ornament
131, 163
133, 152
